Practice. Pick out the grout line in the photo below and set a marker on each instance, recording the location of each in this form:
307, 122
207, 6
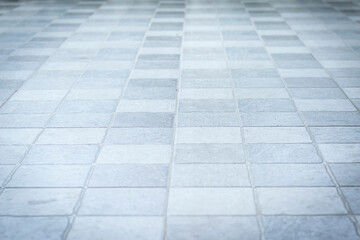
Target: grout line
176, 114
256, 201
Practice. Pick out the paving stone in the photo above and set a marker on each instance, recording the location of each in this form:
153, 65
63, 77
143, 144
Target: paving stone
146, 106
309, 227
209, 175
334, 105
139, 136
10, 136
209, 135
36, 227
38, 201
49, 176
317, 93
290, 175
207, 120
135, 154
276, 119
203, 105
209, 153
88, 106
211, 201
266, 105
276, 135
71, 136
147, 228
206, 94
129, 175
29, 107
300, 201
261, 93
331, 118
283, 153
100, 201
61, 154
143, 120
336, 134
211, 228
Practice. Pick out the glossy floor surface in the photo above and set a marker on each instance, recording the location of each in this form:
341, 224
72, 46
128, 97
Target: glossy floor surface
180, 120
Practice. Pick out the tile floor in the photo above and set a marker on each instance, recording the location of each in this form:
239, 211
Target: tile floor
180, 119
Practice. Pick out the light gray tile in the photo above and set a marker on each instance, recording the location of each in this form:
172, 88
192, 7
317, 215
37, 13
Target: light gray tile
208, 119
90, 120
135, 154
139, 136
266, 105
208, 135
129, 175
211, 228
331, 118
276, 119
18, 136
71, 136
100, 201
300, 201
49, 176
143, 120
309, 227
210, 175
290, 175
276, 135
50, 228
61, 154
336, 134
211, 201
283, 153
146, 228
38, 201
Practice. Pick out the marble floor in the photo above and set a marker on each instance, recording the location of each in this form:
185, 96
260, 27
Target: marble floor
180, 120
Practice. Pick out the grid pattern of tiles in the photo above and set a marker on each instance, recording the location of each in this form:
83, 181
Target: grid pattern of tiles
180, 119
